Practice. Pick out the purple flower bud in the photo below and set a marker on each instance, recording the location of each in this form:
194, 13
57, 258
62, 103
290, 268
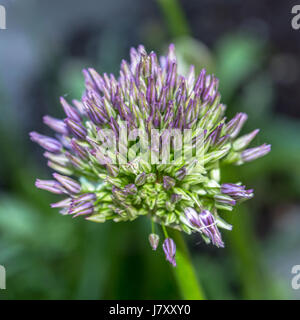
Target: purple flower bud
215, 135
76, 128
84, 198
150, 95
50, 185
222, 141
140, 179
62, 204
181, 173
168, 182
191, 77
56, 124
65, 141
204, 222
210, 90
102, 159
169, 247
225, 200
200, 82
59, 167
154, 240
60, 159
93, 80
236, 192
192, 217
130, 189
112, 170
114, 126
175, 198
171, 53
243, 141
81, 209
209, 228
89, 82
78, 149
70, 184
70, 111
47, 143
169, 114
235, 125
84, 212
92, 103
255, 153
75, 161
119, 194
79, 106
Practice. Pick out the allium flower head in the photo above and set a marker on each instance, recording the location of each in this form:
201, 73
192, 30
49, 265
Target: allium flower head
148, 143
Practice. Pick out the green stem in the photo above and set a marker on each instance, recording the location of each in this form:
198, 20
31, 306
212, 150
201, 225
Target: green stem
255, 282
184, 272
152, 226
174, 17
165, 231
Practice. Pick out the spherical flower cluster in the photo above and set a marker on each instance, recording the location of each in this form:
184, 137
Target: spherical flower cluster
117, 183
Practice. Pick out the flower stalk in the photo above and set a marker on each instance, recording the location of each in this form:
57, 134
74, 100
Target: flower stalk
185, 275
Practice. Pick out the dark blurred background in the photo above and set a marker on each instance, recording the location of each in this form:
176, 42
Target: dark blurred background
254, 51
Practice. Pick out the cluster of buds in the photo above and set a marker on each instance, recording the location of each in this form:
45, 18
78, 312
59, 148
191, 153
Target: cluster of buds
112, 181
